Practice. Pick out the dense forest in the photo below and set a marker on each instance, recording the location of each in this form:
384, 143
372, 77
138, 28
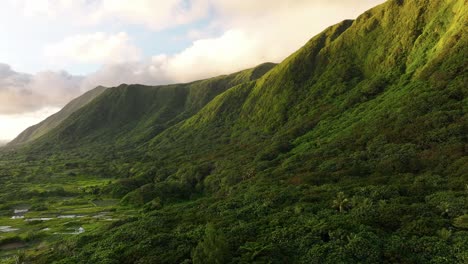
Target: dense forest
352, 150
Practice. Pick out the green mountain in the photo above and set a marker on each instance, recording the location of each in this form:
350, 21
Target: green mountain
369, 91
352, 150
132, 114
36, 131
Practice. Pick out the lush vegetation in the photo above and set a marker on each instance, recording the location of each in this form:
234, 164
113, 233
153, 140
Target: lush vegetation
352, 150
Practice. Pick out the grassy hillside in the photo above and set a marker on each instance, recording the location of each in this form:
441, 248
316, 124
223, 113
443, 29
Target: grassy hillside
352, 150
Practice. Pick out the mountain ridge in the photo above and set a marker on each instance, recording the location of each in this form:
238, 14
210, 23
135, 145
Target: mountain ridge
351, 150
144, 111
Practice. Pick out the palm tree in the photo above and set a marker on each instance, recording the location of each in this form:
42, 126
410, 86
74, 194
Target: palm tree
340, 202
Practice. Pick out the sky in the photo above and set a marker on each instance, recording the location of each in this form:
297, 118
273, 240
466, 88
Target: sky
52, 51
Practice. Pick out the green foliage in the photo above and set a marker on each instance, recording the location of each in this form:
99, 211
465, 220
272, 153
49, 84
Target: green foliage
352, 150
341, 202
461, 222
213, 249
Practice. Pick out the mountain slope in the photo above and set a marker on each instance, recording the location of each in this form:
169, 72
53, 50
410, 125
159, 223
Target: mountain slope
375, 52
352, 150
36, 131
341, 83
131, 114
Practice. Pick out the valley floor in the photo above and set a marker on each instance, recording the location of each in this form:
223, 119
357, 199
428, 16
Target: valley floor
37, 214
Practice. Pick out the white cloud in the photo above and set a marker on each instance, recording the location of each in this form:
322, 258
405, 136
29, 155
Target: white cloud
205, 58
52, 9
149, 73
242, 8
99, 48
267, 34
13, 125
253, 34
209, 57
156, 14
22, 93
163, 14
27, 99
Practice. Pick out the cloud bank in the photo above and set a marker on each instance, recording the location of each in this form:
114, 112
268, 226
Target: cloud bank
23, 93
94, 48
250, 34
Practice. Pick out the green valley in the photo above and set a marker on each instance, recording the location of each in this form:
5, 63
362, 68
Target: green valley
352, 150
